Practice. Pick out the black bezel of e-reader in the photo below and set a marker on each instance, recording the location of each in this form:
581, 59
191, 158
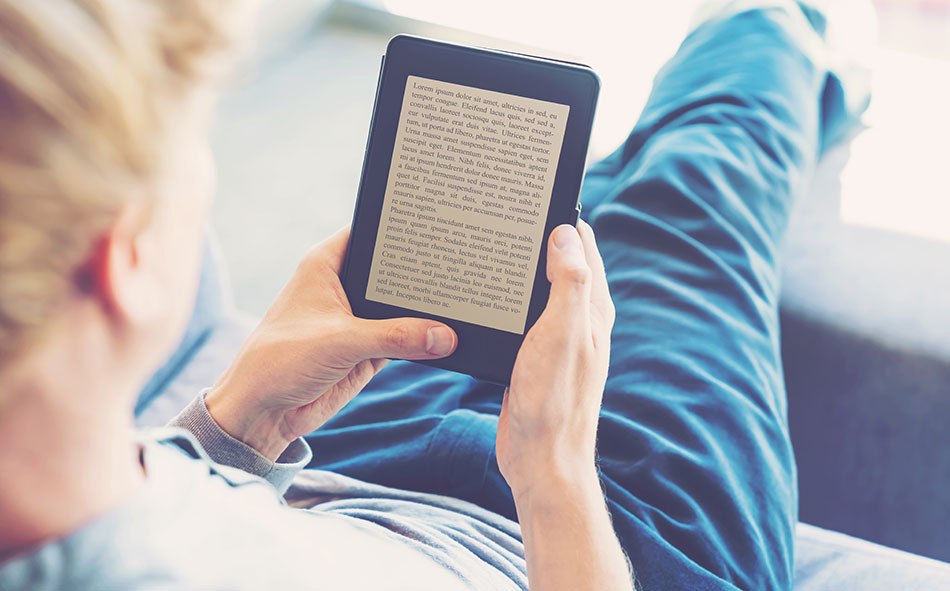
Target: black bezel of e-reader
482, 352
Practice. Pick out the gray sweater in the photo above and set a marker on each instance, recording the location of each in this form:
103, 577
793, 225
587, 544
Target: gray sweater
212, 516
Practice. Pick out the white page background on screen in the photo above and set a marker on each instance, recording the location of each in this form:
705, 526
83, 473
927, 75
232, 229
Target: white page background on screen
466, 202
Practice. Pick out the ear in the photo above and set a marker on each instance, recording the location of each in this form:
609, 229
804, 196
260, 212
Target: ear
119, 274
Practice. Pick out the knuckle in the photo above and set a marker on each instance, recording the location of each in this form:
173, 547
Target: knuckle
337, 331
312, 257
398, 336
577, 274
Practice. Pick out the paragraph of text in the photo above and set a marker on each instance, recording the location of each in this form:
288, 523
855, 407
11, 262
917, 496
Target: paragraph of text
466, 202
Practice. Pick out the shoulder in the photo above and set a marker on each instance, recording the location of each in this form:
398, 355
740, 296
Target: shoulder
187, 510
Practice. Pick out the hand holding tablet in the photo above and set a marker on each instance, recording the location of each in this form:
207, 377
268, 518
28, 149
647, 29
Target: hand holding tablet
474, 157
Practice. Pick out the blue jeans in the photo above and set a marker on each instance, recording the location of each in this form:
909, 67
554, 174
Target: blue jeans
693, 444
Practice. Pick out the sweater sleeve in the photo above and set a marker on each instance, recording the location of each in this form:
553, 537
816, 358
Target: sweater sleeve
228, 451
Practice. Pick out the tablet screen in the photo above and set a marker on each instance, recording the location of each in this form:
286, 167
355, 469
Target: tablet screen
466, 202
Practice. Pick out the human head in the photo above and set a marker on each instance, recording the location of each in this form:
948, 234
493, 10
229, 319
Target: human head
105, 173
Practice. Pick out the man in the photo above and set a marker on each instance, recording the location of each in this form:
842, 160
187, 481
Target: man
427, 480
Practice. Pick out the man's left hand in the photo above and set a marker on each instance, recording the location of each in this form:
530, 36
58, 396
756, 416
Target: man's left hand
309, 356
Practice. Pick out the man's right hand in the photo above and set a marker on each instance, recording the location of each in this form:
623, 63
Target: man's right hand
548, 427
548, 424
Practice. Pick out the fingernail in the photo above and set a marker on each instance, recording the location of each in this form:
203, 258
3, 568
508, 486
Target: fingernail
566, 238
439, 340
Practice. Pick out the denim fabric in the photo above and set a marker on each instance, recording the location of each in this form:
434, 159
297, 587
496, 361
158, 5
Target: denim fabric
693, 445
689, 212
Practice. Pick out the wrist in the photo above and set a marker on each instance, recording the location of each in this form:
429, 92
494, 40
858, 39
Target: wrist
568, 536
255, 427
556, 484
574, 501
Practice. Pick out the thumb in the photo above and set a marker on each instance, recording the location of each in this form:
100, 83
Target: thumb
568, 272
400, 338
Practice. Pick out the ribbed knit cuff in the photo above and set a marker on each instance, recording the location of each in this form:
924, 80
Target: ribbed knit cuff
226, 450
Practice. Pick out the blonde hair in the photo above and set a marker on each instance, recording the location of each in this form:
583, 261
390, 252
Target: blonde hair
88, 91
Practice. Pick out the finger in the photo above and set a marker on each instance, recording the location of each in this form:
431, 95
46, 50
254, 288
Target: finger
600, 291
333, 249
503, 414
569, 274
399, 338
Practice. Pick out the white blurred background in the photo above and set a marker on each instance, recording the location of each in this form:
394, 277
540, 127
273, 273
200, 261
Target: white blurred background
290, 135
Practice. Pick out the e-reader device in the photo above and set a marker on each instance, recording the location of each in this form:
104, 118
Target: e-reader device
474, 156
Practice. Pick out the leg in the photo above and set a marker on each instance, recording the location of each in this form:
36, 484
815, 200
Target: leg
693, 445
419, 428
689, 212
